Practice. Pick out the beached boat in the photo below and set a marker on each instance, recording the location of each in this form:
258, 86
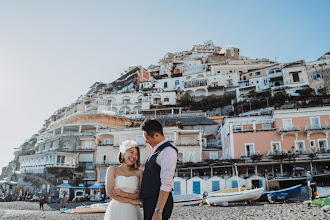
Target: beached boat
290, 192
188, 199
94, 208
234, 195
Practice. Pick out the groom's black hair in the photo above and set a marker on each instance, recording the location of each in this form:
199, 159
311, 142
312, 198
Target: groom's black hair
151, 126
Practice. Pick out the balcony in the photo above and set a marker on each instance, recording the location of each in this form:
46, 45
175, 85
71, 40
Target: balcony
213, 88
60, 165
187, 144
102, 163
292, 130
323, 128
85, 148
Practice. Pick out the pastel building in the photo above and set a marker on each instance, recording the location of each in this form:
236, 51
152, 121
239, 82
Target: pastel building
296, 132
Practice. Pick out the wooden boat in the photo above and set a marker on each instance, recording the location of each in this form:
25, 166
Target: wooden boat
234, 195
188, 199
229, 190
291, 192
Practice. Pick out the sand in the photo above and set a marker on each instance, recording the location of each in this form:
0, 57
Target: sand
30, 211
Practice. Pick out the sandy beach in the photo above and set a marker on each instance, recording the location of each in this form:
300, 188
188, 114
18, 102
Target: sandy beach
29, 211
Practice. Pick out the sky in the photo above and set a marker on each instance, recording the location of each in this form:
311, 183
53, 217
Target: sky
51, 52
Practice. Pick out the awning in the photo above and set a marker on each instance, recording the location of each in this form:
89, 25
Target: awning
96, 186
65, 185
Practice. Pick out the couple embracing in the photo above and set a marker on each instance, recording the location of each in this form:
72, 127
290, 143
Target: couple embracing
129, 186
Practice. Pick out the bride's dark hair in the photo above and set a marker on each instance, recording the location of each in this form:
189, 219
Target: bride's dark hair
137, 164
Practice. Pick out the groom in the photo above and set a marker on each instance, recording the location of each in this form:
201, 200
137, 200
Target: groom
157, 181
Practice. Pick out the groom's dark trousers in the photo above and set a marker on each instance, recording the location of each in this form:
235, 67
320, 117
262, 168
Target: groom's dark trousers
150, 187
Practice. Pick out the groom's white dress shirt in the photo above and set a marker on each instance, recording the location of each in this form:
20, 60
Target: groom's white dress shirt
167, 161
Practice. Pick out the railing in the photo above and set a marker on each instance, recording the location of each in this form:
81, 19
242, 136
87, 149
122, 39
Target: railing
289, 129
51, 164
214, 145
324, 126
102, 163
187, 144
85, 148
266, 129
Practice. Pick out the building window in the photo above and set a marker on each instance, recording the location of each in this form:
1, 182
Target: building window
250, 74
323, 145
139, 140
276, 147
266, 126
166, 99
287, 124
157, 100
103, 158
317, 76
300, 146
213, 156
238, 128
249, 149
165, 84
315, 123
203, 83
257, 73
295, 76
191, 156
312, 143
177, 82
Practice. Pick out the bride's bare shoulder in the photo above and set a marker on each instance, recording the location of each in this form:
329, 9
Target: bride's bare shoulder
139, 172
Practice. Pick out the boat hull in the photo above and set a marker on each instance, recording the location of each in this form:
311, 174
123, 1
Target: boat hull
292, 192
247, 195
189, 199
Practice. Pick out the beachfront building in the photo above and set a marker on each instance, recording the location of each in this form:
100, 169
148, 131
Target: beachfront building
301, 136
186, 134
70, 143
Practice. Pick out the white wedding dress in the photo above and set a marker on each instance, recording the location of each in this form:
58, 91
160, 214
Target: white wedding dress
124, 211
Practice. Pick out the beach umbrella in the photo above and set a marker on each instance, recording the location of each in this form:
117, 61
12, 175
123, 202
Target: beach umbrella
3, 182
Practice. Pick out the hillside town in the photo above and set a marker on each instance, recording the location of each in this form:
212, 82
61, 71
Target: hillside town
218, 108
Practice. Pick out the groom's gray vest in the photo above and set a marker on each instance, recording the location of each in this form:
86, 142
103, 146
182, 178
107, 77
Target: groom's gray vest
151, 183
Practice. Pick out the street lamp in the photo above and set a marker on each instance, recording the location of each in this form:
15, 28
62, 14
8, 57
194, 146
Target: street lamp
294, 160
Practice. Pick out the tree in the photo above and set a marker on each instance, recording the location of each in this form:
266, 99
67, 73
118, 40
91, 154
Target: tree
187, 99
312, 156
281, 156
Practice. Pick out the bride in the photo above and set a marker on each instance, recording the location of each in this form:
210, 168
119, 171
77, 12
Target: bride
123, 184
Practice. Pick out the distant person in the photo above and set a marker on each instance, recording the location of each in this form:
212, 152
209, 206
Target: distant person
42, 201
64, 201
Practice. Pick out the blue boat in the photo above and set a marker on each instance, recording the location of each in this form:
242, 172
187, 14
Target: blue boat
290, 192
